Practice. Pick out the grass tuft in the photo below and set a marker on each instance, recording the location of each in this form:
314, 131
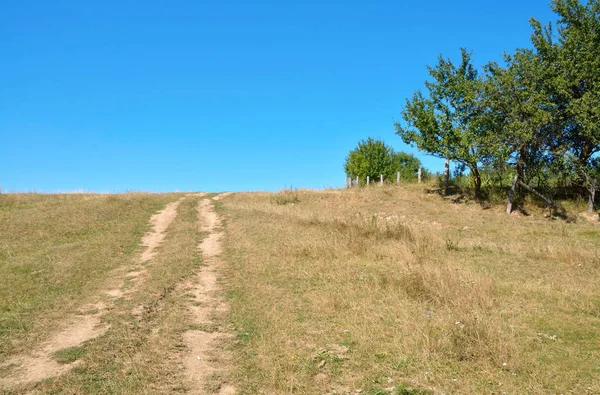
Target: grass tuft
69, 355
286, 196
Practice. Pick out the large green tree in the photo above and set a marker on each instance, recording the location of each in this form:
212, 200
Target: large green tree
572, 56
517, 101
535, 115
446, 122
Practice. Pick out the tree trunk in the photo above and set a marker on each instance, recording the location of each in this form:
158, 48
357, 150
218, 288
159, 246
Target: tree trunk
592, 195
476, 182
515, 184
511, 194
446, 176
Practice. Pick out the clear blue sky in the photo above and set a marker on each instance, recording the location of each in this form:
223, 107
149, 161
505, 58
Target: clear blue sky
221, 95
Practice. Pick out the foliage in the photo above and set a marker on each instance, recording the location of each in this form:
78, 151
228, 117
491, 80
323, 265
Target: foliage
372, 158
408, 166
447, 123
535, 116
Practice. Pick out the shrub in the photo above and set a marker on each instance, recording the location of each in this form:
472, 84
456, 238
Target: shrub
373, 158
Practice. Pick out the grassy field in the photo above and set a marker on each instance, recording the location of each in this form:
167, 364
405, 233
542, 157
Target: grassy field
389, 289
379, 290
58, 252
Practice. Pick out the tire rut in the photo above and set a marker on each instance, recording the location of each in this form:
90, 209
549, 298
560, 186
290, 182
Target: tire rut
206, 359
38, 363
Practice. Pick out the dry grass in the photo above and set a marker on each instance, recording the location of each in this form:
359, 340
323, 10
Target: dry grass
385, 289
286, 196
382, 289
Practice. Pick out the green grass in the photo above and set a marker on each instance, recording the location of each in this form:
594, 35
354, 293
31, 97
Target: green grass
139, 353
57, 250
68, 355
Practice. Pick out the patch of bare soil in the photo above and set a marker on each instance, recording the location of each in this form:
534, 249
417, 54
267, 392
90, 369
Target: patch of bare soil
159, 222
206, 359
222, 195
38, 364
591, 217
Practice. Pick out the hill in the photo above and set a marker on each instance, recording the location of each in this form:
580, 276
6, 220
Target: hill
371, 290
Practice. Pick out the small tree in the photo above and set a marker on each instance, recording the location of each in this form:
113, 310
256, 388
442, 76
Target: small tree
372, 158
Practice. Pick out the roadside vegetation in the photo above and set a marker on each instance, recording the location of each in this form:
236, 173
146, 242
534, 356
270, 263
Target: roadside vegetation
391, 290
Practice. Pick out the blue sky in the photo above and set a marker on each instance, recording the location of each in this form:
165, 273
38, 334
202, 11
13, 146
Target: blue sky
221, 95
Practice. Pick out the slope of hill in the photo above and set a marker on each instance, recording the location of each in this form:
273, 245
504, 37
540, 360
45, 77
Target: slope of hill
386, 289
375, 290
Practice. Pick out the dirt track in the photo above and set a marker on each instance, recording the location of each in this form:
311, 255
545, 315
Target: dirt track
38, 364
206, 359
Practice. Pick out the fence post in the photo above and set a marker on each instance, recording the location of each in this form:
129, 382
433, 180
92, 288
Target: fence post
398, 178
419, 174
368, 180
381, 179
357, 180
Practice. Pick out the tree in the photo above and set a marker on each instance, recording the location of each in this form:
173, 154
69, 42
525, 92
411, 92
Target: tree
575, 58
522, 113
407, 164
547, 99
446, 123
372, 158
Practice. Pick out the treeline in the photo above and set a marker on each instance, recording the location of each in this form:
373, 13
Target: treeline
533, 119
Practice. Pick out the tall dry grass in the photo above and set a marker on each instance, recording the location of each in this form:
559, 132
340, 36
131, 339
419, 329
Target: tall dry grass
384, 289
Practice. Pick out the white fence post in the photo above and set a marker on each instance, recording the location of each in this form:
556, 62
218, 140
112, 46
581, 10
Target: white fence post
419, 174
398, 178
381, 179
368, 180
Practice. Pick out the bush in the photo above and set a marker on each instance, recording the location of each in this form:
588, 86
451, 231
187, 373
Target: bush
372, 158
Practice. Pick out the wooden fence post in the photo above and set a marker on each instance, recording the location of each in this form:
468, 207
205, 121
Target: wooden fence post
419, 174
381, 179
398, 178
